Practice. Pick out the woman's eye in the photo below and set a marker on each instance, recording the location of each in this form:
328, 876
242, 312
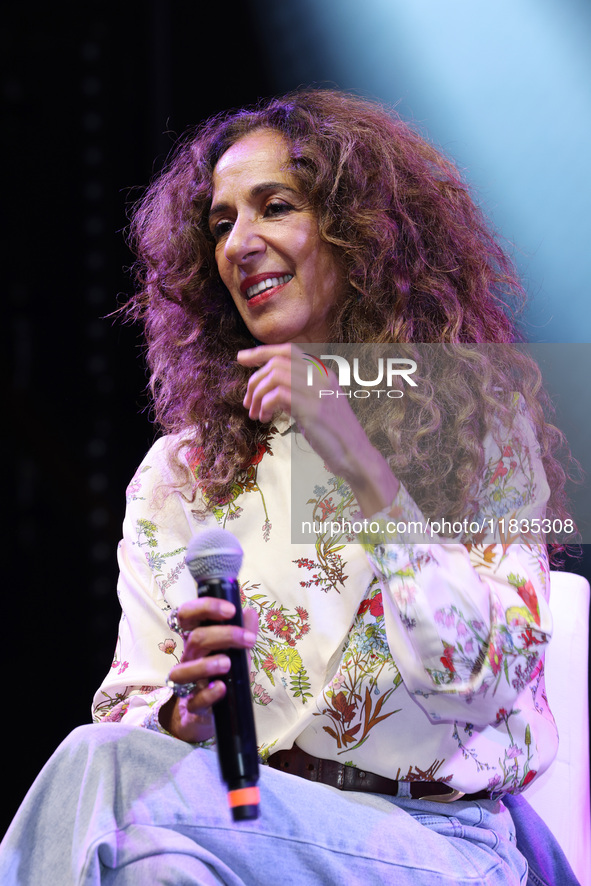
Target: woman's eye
277, 208
221, 228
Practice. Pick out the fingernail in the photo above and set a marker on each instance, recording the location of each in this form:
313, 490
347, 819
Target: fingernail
250, 638
224, 663
219, 663
227, 608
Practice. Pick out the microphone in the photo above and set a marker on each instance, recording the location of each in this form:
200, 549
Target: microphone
214, 558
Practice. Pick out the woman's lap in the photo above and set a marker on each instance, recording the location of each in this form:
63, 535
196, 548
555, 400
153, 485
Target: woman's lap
115, 802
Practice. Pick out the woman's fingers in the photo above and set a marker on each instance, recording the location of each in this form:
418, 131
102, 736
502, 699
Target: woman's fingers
202, 700
280, 384
204, 657
263, 353
200, 670
250, 620
209, 690
282, 381
204, 664
269, 388
191, 614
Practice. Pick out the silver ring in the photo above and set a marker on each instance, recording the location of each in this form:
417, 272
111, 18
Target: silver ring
174, 624
181, 689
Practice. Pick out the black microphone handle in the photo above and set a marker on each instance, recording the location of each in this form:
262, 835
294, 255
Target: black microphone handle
233, 714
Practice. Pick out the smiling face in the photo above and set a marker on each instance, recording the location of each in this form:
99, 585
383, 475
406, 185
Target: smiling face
283, 279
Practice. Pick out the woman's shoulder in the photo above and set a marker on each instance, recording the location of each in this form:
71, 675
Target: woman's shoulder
168, 447
165, 466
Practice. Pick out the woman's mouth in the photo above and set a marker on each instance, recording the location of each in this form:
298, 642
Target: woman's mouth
263, 286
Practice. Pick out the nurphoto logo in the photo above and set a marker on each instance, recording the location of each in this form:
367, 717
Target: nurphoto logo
388, 372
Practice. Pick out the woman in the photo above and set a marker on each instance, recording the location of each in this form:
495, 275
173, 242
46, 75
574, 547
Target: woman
319, 217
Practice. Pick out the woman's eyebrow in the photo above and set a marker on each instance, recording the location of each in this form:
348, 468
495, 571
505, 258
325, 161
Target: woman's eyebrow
255, 191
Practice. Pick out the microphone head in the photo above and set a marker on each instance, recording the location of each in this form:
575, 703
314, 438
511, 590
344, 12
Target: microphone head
214, 553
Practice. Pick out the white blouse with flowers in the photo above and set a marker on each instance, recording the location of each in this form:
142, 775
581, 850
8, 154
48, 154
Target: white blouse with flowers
418, 661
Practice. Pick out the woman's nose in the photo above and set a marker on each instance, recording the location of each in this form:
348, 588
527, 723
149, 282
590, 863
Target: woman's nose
243, 241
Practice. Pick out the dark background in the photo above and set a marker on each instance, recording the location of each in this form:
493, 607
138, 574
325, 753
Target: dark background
92, 103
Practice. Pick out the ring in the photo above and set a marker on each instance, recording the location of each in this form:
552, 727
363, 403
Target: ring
181, 689
174, 624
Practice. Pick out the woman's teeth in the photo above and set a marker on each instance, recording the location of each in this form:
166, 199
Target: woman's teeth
269, 283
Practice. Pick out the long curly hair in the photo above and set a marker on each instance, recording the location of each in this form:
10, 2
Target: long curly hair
421, 266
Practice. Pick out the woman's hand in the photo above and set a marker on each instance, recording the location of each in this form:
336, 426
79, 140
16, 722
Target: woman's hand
327, 422
203, 662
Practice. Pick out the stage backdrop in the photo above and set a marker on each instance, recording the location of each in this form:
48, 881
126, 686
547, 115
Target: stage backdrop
93, 98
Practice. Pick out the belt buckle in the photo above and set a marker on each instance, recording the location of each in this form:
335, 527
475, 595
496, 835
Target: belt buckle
445, 798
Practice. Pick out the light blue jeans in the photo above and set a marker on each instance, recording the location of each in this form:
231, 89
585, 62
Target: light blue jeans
119, 805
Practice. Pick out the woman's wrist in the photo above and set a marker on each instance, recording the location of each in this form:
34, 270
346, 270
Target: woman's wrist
372, 481
177, 720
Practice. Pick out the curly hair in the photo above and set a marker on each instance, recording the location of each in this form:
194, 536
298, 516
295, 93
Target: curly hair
421, 266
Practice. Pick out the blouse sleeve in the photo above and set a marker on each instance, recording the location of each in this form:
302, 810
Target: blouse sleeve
153, 578
468, 623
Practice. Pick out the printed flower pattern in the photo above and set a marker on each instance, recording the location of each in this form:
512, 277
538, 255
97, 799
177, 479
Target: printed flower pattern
276, 650
229, 509
354, 700
446, 641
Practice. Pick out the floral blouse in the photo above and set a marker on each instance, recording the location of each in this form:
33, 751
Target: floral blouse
417, 661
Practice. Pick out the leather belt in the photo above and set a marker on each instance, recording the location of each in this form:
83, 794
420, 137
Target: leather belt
350, 778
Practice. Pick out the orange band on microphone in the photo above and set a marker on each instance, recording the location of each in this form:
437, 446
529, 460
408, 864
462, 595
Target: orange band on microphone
244, 797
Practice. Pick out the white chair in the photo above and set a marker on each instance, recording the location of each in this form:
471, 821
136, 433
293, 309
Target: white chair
561, 795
